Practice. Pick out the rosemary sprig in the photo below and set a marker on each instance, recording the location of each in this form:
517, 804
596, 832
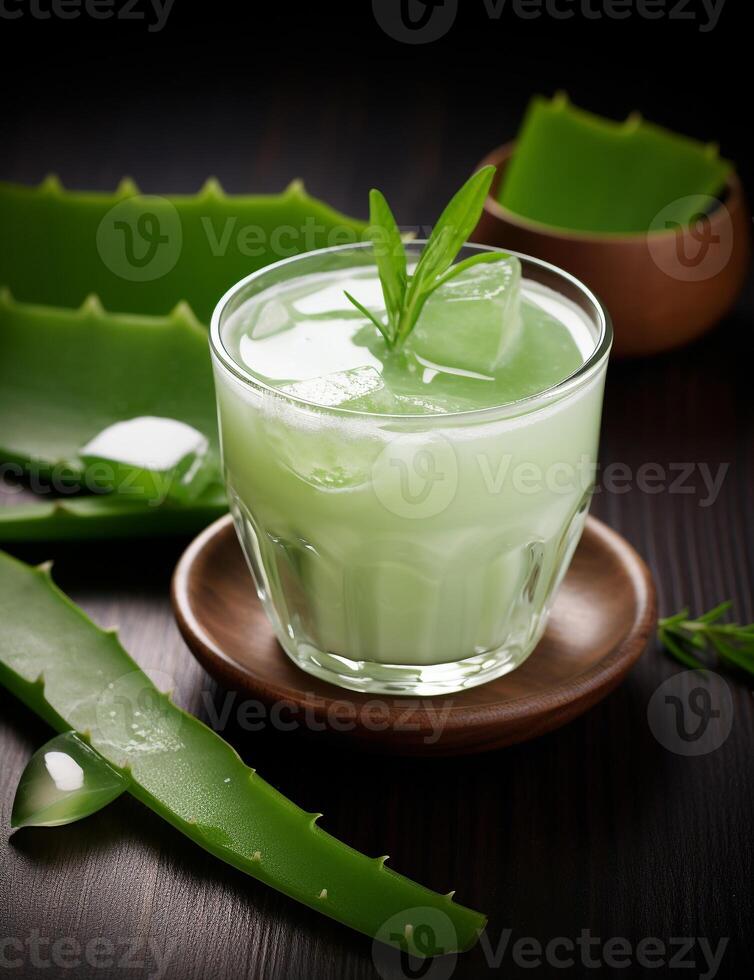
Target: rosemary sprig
405, 295
706, 641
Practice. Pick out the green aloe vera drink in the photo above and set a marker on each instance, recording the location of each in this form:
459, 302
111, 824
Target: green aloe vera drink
408, 513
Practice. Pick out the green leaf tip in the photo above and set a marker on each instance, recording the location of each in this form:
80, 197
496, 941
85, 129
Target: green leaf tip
51, 185
180, 768
183, 313
560, 100
212, 188
296, 188
706, 643
92, 306
127, 188
406, 295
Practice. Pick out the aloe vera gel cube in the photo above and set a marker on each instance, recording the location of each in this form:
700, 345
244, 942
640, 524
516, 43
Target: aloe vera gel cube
149, 457
360, 389
471, 322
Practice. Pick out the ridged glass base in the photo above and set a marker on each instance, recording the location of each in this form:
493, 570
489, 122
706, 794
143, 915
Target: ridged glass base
377, 678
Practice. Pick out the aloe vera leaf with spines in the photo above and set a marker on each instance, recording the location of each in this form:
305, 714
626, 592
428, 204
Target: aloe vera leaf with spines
77, 676
578, 171
66, 375
143, 253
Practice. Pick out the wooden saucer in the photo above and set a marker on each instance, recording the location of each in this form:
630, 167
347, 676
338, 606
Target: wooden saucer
603, 616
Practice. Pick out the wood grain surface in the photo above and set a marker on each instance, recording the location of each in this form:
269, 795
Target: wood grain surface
599, 826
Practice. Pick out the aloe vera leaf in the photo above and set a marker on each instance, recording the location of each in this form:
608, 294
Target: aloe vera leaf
64, 781
65, 375
78, 677
107, 516
145, 253
579, 171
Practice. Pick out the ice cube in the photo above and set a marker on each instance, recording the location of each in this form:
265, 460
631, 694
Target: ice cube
361, 389
329, 453
273, 317
472, 321
155, 458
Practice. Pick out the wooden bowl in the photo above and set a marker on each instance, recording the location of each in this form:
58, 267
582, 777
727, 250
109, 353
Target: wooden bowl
603, 616
661, 288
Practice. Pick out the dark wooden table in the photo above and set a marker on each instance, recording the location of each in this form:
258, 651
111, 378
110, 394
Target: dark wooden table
599, 827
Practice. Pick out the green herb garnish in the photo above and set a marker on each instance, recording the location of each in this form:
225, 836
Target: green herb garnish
699, 643
405, 295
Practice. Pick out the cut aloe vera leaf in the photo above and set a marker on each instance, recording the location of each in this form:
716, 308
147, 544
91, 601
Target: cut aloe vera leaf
66, 375
78, 677
150, 457
578, 171
471, 321
63, 782
108, 516
145, 253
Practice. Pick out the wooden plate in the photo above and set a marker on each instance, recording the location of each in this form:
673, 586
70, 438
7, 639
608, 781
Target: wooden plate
599, 626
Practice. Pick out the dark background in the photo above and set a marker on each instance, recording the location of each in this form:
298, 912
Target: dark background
597, 826
261, 95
